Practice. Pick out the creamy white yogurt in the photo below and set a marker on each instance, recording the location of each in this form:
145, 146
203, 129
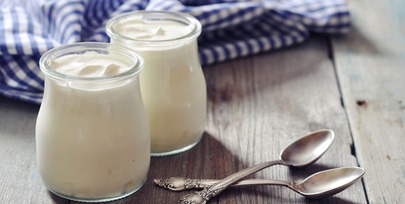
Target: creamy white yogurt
172, 82
140, 28
90, 64
92, 137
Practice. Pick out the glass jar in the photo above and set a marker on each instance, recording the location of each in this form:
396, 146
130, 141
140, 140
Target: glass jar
92, 131
172, 84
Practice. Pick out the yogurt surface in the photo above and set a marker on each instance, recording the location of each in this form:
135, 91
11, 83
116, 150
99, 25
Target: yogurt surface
90, 64
140, 28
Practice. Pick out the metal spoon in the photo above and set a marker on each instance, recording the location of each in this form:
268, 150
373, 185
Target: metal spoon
319, 185
302, 152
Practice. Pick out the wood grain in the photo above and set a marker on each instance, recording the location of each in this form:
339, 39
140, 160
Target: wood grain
370, 64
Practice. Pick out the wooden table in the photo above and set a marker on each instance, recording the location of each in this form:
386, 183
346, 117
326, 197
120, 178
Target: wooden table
352, 84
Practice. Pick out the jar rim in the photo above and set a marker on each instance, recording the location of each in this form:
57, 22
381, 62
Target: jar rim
135, 67
170, 15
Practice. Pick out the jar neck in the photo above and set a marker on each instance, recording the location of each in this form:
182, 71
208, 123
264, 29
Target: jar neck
89, 99
89, 85
185, 46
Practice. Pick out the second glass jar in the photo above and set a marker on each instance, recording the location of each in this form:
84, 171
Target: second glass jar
172, 83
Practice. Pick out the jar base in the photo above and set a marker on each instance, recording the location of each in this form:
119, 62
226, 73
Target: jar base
176, 151
98, 200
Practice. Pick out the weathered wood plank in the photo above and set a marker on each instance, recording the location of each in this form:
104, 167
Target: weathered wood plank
370, 64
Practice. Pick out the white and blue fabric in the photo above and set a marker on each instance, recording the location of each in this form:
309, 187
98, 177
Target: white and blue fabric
231, 29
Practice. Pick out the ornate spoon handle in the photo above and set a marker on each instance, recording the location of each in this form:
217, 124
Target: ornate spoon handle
181, 183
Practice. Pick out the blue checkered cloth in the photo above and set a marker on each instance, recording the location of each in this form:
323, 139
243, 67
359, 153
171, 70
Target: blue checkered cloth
231, 29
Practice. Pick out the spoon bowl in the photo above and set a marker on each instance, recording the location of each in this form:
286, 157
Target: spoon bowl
329, 182
308, 149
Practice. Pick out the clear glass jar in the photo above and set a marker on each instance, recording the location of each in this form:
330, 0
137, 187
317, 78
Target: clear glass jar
92, 132
172, 84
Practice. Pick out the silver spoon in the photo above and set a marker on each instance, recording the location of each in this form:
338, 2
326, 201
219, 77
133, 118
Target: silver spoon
321, 184
302, 152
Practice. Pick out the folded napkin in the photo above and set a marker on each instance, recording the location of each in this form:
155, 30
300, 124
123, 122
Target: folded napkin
231, 29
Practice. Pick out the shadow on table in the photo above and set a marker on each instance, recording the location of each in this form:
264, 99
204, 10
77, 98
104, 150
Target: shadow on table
208, 159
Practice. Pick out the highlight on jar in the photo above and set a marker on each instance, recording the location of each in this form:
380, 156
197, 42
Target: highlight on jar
92, 131
172, 83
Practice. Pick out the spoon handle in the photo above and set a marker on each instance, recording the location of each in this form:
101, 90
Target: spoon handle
233, 178
181, 183
220, 186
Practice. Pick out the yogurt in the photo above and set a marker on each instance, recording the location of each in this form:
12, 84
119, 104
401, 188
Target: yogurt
90, 64
172, 84
92, 132
141, 28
